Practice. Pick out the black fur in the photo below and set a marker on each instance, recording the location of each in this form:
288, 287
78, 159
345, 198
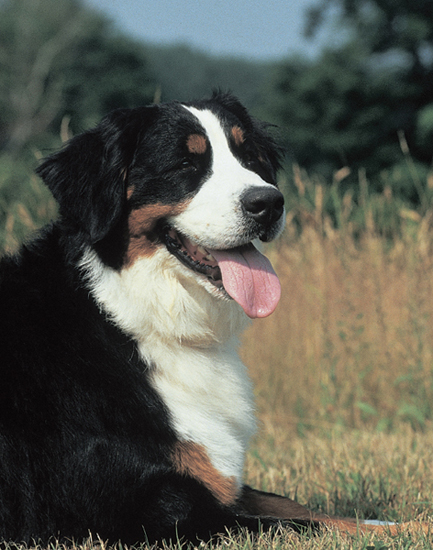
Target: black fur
85, 442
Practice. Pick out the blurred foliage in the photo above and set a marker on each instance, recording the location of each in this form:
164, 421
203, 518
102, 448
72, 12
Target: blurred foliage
25, 204
334, 113
364, 105
184, 73
348, 106
382, 24
57, 59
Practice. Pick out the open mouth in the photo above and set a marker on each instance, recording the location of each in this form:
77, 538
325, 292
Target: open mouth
194, 256
242, 273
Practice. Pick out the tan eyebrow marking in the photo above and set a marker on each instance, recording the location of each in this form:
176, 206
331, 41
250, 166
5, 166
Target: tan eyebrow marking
238, 135
196, 144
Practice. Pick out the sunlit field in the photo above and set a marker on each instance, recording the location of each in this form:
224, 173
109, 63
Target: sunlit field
342, 369
351, 342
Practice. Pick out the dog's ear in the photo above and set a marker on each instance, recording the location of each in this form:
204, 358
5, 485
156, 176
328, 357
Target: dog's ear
87, 177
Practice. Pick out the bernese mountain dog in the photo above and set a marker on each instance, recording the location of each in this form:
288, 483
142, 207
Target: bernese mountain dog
125, 410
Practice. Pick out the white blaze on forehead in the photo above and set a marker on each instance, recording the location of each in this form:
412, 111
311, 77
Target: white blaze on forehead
225, 165
214, 216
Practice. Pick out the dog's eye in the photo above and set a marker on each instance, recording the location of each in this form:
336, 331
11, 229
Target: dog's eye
186, 164
250, 160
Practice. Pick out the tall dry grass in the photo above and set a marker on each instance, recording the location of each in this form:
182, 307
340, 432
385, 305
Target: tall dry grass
351, 342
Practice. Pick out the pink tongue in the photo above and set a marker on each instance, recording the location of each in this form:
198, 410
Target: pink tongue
250, 279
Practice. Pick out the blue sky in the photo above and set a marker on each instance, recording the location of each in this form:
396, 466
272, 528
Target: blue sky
256, 29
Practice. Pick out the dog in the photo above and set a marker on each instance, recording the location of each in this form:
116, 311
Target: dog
125, 410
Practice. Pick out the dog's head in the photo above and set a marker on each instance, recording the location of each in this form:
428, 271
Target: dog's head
197, 180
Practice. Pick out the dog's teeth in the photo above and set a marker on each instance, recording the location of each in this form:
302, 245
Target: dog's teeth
206, 254
209, 258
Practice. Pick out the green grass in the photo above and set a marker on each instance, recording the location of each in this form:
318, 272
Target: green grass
25, 203
342, 369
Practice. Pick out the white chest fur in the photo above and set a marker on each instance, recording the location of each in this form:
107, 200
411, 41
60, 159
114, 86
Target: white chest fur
209, 396
188, 338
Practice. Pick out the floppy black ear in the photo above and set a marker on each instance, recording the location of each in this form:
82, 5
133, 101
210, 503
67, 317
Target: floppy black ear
87, 177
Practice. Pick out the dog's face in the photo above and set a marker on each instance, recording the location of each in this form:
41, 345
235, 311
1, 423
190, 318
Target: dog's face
195, 181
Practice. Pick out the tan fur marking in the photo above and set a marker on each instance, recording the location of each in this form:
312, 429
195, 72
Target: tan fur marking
141, 225
238, 135
196, 144
130, 191
192, 460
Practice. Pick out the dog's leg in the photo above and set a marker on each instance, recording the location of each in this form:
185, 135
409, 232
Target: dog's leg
259, 503
192, 463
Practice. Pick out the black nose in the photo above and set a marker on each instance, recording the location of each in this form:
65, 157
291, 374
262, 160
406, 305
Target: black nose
263, 204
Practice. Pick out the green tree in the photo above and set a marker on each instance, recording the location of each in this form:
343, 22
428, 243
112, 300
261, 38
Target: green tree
349, 106
337, 111
184, 73
62, 67
398, 32
108, 71
59, 58
384, 25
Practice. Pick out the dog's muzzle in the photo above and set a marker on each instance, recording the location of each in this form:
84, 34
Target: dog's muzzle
264, 207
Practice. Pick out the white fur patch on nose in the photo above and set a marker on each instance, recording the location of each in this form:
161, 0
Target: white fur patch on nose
214, 216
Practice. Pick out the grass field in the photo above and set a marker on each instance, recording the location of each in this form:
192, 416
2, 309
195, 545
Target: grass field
343, 368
